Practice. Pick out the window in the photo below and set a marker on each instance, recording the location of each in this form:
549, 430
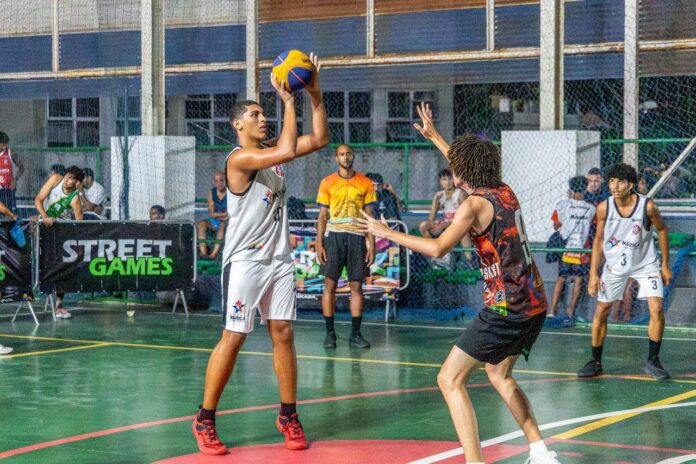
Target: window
133, 116
349, 115
208, 118
273, 111
73, 122
402, 113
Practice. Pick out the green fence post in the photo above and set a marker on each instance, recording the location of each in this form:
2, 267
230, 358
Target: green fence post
404, 186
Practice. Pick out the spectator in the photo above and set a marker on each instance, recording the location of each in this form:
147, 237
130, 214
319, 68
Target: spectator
11, 169
57, 169
446, 200
58, 199
217, 216
92, 194
157, 213
574, 217
388, 203
596, 191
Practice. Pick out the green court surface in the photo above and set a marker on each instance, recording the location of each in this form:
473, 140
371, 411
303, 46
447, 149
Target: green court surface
104, 388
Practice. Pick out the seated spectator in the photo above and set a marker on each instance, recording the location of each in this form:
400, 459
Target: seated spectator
157, 213
388, 203
446, 200
217, 216
92, 195
574, 217
296, 209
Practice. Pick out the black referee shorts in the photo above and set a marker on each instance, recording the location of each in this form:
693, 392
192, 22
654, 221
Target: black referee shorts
344, 249
490, 338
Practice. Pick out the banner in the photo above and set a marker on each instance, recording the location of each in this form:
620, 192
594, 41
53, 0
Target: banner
382, 283
116, 256
15, 263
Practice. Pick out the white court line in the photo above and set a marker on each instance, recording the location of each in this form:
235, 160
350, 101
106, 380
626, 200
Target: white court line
552, 425
679, 459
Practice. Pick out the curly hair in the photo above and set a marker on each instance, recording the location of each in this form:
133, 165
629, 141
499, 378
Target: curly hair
623, 171
475, 161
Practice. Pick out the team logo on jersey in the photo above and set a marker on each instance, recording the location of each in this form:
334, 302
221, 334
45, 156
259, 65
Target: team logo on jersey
613, 242
268, 199
636, 229
238, 308
278, 168
499, 297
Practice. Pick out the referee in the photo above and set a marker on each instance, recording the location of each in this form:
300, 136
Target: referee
341, 198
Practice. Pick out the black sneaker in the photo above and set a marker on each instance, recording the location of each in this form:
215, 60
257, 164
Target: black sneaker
330, 340
358, 340
591, 369
654, 368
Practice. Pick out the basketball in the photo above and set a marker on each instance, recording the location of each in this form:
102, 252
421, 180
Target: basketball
293, 69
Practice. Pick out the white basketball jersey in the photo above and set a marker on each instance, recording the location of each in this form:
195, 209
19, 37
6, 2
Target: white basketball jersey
257, 227
628, 241
449, 205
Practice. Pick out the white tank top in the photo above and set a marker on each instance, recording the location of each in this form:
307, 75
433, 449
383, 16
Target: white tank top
257, 227
58, 202
449, 205
628, 243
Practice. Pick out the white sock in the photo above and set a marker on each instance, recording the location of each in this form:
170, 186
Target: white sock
538, 448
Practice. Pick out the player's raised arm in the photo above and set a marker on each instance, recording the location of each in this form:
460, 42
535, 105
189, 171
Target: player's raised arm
319, 138
597, 252
662, 238
253, 158
429, 131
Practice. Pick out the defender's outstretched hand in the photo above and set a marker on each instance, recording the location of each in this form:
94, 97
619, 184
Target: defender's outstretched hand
370, 225
427, 130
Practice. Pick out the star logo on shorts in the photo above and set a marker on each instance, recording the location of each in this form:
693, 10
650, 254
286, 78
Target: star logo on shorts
238, 307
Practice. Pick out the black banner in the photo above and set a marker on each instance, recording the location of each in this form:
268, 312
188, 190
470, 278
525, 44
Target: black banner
115, 256
15, 263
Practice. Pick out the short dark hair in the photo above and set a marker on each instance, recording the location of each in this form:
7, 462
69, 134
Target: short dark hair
160, 209
577, 184
4, 138
88, 172
594, 172
623, 171
58, 169
76, 172
444, 173
476, 161
374, 177
239, 108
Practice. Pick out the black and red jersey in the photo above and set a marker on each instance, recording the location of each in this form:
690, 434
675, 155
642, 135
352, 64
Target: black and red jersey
512, 286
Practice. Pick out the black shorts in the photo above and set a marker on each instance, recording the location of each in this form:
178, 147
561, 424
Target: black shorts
570, 269
8, 197
491, 338
344, 249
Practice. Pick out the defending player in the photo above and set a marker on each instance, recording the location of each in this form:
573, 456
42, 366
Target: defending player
515, 302
625, 223
258, 270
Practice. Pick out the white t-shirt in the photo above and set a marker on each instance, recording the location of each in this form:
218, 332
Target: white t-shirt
96, 194
576, 218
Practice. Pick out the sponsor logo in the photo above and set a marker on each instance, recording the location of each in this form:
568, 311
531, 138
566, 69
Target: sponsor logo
278, 168
491, 272
499, 297
237, 311
122, 257
613, 242
268, 198
636, 229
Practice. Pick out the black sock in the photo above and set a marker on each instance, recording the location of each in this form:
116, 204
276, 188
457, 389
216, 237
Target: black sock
355, 323
329, 323
288, 409
597, 353
206, 414
654, 349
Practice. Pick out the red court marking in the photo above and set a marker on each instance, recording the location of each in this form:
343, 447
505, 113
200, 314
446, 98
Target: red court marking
126, 428
622, 446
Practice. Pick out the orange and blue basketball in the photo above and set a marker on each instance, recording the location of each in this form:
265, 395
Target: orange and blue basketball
293, 69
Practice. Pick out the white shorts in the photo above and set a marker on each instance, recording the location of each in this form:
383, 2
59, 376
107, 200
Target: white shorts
611, 287
264, 286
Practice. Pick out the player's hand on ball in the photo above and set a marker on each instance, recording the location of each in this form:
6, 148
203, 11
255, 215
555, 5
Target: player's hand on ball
427, 130
282, 91
313, 87
666, 275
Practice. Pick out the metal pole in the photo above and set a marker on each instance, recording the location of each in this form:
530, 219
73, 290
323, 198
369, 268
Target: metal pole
252, 50
631, 89
551, 66
152, 67
404, 187
370, 28
490, 25
55, 38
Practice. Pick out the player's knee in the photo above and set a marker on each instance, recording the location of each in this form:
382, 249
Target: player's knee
355, 286
329, 285
282, 332
602, 312
449, 381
